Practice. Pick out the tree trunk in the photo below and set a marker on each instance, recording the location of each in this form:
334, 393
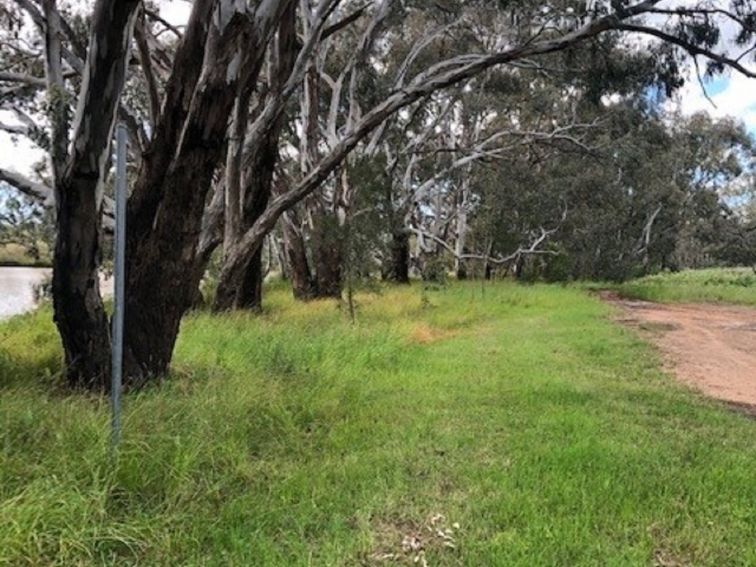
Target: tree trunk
79, 312
461, 270
295, 250
250, 288
243, 289
211, 237
459, 245
328, 271
162, 280
327, 252
232, 226
165, 213
488, 271
398, 271
520, 268
277, 252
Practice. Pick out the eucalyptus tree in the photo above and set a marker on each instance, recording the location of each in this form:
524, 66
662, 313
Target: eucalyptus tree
654, 197
78, 171
220, 51
253, 154
536, 33
192, 89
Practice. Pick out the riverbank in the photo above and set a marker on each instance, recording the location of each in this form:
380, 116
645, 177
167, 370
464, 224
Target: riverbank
16, 255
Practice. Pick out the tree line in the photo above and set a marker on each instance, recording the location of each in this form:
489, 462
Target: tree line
342, 139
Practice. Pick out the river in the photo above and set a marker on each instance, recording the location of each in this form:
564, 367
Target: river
17, 288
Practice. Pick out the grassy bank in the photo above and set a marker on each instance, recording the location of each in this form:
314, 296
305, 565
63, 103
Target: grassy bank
18, 255
726, 285
519, 421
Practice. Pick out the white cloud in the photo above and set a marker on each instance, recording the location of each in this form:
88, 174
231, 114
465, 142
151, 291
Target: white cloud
733, 95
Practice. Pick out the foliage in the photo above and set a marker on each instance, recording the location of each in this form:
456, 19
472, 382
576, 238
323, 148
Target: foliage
712, 285
651, 197
26, 230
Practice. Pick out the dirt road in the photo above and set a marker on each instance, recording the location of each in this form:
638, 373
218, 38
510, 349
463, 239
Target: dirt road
709, 347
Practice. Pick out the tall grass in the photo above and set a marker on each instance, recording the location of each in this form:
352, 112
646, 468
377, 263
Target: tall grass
519, 421
13, 254
725, 285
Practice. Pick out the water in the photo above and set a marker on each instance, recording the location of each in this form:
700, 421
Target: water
17, 289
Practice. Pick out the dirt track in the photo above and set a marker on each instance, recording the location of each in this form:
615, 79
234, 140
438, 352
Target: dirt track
710, 347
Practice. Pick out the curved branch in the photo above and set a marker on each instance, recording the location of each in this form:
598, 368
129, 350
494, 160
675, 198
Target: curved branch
439, 76
687, 46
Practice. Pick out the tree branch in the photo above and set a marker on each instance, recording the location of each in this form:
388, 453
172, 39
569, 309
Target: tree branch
45, 196
687, 46
145, 61
11, 77
344, 22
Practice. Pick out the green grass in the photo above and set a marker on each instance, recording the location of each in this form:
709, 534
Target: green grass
725, 285
521, 414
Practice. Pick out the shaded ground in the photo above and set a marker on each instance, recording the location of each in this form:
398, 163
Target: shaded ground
709, 347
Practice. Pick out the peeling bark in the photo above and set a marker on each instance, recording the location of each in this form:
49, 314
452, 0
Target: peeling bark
295, 249
166, 213
57, 97
234, 154
79, 312
259, 163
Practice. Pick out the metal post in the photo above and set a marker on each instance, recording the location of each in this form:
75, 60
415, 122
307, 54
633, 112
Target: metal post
118, 282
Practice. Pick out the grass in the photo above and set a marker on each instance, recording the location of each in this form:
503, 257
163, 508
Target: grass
725, 285
12, 254
520, 422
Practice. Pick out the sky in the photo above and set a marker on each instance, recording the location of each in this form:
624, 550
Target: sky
732, 93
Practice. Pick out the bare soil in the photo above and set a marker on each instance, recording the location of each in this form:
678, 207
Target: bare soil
709, 347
